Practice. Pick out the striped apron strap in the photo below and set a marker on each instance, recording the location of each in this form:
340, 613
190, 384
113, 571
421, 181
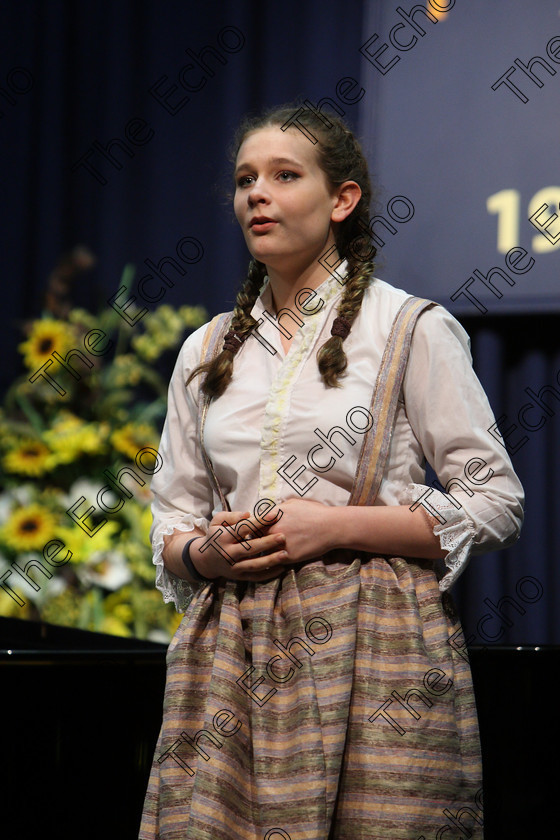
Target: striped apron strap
211, 346
375, 445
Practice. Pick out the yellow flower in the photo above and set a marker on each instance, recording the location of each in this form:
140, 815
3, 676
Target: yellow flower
132, 437
29, 457
81, 544
10, 608
167, 317
63, 608
110, 624
47, 335
126, 371
139, 559
28, 528
193, 316
124, 613
82, 318
70, 437
175, 619
146, 520
145, 346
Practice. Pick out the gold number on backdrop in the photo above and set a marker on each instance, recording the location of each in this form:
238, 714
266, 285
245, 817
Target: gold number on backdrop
506, 204
551, 197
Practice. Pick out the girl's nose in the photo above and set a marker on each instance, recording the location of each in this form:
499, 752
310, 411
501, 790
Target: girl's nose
257, 193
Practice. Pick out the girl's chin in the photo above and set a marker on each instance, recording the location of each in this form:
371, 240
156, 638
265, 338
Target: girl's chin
267, 257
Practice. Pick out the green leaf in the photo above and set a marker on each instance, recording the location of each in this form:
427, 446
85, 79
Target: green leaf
34, 418
148, 413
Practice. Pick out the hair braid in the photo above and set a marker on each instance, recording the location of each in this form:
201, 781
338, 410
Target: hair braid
220, 369
331, 357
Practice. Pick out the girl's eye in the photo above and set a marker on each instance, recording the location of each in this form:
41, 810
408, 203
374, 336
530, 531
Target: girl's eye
244, 180
290, 175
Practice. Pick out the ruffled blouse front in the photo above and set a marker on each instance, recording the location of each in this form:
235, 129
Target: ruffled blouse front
278, 433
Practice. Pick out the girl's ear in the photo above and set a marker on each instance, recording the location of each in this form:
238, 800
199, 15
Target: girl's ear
347, 196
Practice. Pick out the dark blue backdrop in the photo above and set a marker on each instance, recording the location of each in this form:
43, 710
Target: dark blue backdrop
110, 139
475, 162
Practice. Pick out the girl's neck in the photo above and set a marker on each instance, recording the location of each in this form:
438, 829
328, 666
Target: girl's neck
285, 285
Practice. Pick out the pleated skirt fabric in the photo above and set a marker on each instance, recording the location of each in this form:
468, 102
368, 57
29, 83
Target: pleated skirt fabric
327, 704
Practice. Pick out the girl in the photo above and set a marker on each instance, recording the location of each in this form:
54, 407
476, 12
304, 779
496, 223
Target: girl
316, 686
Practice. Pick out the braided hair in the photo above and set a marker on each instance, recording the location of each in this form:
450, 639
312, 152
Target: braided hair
340, 157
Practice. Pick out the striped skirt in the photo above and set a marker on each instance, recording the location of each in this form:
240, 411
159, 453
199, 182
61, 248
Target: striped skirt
327, 704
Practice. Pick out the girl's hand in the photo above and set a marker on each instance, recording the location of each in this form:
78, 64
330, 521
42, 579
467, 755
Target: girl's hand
309, 529
239, 552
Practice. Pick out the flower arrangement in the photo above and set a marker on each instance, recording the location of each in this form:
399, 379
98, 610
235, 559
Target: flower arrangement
54, 449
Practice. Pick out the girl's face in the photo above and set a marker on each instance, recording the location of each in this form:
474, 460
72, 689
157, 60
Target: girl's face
282, 199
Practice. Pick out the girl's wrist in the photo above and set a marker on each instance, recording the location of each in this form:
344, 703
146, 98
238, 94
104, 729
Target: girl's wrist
334, 526
194, 571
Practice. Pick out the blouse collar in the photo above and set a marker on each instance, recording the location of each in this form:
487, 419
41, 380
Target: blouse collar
327, 290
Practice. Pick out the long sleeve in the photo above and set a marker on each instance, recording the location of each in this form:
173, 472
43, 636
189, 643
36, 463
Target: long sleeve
482, 508
276, 409
183, 496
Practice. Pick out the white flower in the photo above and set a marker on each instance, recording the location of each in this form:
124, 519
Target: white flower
6, 504
159, 636
23, 495
88, 489
20, 583
50, 588
105, 568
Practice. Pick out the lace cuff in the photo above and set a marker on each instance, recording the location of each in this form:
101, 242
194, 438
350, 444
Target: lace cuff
174, 588
453, 526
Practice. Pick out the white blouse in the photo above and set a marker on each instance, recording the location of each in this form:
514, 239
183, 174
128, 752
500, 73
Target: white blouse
264, 438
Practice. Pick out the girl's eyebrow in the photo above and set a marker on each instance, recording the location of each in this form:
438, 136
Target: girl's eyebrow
274, 161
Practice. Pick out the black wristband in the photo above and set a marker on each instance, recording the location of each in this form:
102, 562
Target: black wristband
189, 563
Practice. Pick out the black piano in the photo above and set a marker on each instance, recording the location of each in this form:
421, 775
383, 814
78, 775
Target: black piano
81, 713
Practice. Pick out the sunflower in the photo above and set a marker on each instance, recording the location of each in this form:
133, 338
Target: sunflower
29, 457
28, 528
133, 437
47, 335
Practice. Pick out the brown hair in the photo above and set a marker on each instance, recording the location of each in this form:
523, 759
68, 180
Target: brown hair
340, 157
